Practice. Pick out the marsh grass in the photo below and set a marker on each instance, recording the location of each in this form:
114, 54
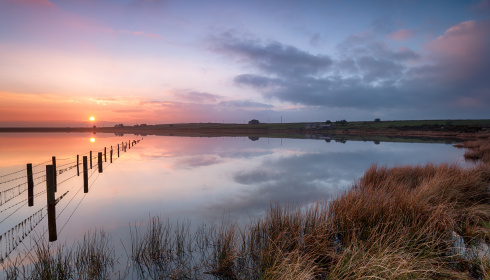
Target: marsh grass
478, 149
394, 223
92, 258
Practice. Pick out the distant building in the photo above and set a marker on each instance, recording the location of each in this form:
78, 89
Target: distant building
312, 126
254, 121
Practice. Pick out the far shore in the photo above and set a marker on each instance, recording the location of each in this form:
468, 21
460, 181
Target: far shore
414, 130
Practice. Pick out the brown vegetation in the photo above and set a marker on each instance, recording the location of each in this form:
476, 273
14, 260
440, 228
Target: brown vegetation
423, 222
478, 150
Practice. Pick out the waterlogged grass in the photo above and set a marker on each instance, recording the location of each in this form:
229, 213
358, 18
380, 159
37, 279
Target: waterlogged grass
395, 223
406, 222
91, 258
478, 150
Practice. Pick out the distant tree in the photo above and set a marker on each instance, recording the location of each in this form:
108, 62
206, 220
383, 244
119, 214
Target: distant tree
342, 122
328, 122
377, 120
94, 127
254, 121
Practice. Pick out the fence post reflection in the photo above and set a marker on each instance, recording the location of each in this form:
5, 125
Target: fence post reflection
85, 175
51, 203
55, 183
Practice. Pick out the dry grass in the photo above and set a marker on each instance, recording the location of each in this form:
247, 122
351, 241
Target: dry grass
478, 150
395, 223
91, 258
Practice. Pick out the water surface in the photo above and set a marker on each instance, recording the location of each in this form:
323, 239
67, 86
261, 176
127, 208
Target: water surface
186, 178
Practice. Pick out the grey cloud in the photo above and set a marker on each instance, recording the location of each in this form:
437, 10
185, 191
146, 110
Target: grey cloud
198, 161
244, 104
254, 80
307, 178
273, 57
374, 69
368, 75
197, 97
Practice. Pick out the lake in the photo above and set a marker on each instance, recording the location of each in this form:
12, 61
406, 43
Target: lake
197, 179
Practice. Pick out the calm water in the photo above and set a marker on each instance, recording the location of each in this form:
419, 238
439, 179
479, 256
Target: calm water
182, 178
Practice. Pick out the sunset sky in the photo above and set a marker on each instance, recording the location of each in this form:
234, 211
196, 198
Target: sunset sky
157, 61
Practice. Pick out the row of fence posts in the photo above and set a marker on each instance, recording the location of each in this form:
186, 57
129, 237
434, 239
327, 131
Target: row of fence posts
51, 182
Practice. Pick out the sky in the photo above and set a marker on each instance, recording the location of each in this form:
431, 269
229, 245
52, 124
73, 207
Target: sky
158, 61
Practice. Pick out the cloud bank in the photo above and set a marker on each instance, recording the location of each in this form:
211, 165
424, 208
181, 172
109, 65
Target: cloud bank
448, 77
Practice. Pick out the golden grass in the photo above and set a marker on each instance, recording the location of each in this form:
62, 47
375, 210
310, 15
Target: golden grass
478, 150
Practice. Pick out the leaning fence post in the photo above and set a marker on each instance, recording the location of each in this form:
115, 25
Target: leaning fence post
100, 162
78, 165
30, 185
90, 159
105, 154
85, 175
51, 203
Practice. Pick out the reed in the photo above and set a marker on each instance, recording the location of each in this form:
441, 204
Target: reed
93, 258
168, 251
478, 149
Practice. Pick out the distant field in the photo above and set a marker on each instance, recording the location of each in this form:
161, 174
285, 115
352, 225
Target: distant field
406, 128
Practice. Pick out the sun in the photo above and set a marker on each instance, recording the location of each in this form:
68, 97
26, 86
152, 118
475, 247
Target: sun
92, 140
92, 119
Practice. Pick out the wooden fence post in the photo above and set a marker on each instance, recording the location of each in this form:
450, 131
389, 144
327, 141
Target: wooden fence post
90, 159
129, 144
51, 203
85, 175
30, 185
105, 154
100, 162
117, 150
78, 165
111, 154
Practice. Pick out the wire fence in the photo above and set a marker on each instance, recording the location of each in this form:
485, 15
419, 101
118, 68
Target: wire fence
18, 215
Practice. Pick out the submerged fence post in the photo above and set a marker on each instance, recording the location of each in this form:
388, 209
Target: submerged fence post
117, 150
100, 162
111, 154
51, 203
90, 159
85, 175
78, 165
129, 144
105, 154
30, 185
55, 175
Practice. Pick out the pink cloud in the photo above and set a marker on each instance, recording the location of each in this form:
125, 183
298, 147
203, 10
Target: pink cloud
463, 49
482, 6
140, 33
35, 3
401, 35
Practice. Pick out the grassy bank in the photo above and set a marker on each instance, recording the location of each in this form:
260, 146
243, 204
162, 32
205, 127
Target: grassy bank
406, 222
421, 128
